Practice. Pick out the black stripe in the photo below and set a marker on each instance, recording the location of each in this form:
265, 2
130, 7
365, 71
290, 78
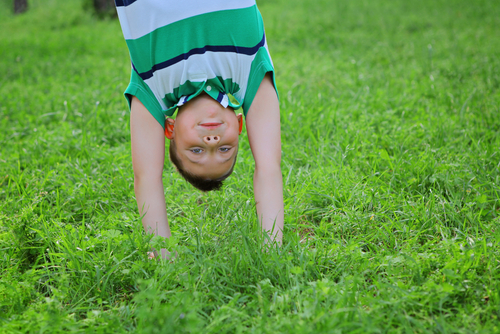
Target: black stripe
198, 51
124, 3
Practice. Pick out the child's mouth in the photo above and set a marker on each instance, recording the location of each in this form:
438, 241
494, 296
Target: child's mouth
211, 125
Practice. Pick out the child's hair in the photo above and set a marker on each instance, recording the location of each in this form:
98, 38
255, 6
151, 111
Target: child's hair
197, 181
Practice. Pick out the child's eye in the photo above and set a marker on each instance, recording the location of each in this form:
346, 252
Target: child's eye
196, 150
224, 149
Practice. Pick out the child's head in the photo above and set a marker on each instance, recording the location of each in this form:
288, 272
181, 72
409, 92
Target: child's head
204, 141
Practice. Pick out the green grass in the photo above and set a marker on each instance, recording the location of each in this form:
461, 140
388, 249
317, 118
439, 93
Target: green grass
391, 137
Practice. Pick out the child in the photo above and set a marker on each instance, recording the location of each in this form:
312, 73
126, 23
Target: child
204, 59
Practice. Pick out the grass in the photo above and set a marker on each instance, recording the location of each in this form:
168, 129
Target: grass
390, 134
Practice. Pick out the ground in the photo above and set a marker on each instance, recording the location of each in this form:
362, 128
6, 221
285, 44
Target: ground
390, 130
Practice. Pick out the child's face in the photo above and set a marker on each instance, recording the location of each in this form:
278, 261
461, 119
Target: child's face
206, 136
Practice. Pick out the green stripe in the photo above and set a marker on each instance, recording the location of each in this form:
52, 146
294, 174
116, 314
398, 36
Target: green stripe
195, 32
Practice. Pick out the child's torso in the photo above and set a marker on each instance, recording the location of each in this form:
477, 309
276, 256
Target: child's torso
177, 45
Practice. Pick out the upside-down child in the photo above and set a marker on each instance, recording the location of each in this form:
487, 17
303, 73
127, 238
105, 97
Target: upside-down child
203, 59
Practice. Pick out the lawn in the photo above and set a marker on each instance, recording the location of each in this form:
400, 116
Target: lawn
390, 117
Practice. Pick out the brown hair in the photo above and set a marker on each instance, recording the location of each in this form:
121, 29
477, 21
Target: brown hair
197, 181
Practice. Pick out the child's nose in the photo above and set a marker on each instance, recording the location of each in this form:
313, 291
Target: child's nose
211, 140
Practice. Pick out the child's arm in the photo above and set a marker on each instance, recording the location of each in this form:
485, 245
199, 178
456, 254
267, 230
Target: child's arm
264, 135
148, 154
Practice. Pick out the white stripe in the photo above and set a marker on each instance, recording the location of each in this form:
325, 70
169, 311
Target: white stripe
182, 101
269, 54
225, 101
200, 68
145, 16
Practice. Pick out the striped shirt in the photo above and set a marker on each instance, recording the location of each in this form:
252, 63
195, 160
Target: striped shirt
180, 49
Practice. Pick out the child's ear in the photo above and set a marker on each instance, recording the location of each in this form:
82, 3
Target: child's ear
240, 121
169, 128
